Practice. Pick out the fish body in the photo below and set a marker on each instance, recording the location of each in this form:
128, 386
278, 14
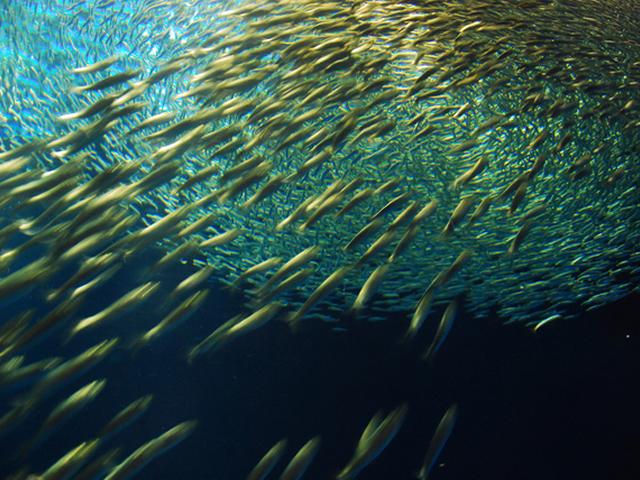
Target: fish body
369, 287
268, 462
374, 440
440, 437
95, 67
444, 327
131, 465
301, 460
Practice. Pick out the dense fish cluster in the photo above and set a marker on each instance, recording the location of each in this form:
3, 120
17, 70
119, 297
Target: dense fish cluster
328, 159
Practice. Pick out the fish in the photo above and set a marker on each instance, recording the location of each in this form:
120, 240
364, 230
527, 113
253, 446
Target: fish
183, 250
298, 260
26, 277
245, 181
268, 462
444, 327
322, 290
390, 205
444, 276
99, 106
195, 227
515, 184
545, 321
366, 231
9, 167
369, 287
95, 67
287, 284
265, 265
125, 417
71, 462
381, 242
44, 327
178, 315
235, 327
464, 146
192, 282
155, 447
420, 313
99, 466
321, 210
300, 462
519, 238
375, 438
65, 410
125, 303
424, 213
222, 238
404, 216
253, 321
467, 176
72, 368
480, 210
269, 188
464, 205
518, 197
107, 82
153, 121
541, 137
14, 374
440, 438
314, 161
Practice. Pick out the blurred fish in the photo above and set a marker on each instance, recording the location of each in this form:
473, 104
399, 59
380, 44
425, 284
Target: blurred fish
301, 460
178, 315
95, 67
232, 329
375, 438
120, 306
444, 327
369, 287
99, 467
70, 369
14, 373
268, 462
131, 465
70, 463
321, 291
420, 313
65, 410
440, 437
458, 214
125, 417
107, 82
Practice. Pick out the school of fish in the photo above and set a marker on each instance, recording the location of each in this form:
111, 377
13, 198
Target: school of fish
325, 159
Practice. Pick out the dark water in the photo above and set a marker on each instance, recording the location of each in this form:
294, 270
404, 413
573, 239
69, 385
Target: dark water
559, 404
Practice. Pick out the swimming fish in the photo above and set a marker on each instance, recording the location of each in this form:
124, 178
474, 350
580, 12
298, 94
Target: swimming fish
440, 437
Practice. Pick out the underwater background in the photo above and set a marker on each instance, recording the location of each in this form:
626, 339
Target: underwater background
560, 404
553, 400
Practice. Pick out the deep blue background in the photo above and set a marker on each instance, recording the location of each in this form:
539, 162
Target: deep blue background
559, 404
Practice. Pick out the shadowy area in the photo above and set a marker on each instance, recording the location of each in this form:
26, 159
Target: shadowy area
558, 404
